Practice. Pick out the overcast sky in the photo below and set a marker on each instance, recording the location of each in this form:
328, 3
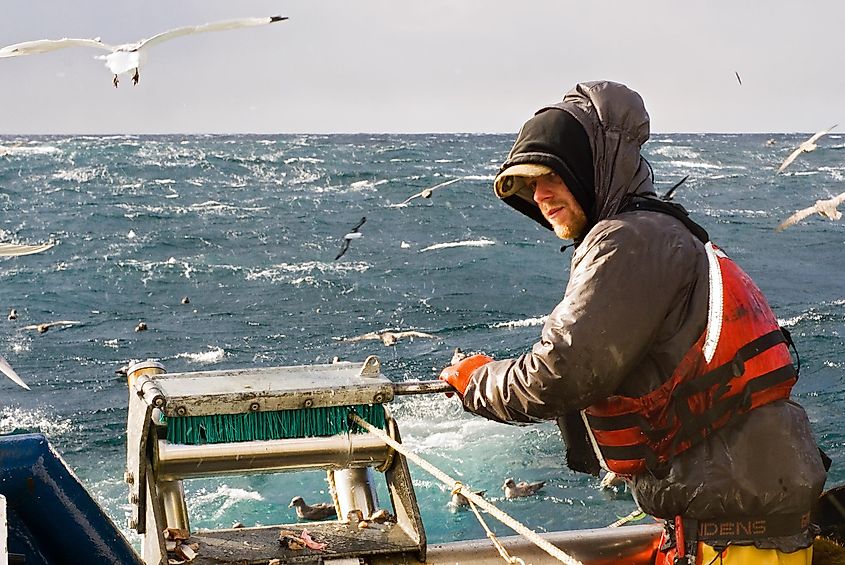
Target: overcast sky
425, 66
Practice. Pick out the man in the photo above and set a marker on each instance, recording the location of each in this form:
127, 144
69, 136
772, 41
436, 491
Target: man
662, 362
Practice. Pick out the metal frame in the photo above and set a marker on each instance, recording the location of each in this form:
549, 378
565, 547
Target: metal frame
156, 468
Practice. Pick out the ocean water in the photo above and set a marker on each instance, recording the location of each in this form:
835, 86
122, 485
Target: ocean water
248, 228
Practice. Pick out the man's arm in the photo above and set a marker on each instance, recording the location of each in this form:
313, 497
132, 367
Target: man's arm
619, 293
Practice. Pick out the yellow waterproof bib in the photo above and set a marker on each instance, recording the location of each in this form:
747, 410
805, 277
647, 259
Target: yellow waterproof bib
750, 555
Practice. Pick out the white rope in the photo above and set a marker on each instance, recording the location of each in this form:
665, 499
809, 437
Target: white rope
530, 535
498, 545
633, 516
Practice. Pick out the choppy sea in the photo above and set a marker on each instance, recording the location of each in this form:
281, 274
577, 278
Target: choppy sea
248, 228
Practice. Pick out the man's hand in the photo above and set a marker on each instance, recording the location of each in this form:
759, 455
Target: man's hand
458, 374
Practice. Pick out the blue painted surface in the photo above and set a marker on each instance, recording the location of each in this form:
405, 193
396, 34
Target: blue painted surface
52, 518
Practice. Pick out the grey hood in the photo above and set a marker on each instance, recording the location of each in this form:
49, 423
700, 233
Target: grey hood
616, 124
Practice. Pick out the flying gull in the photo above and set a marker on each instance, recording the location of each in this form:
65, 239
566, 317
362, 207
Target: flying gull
825, 208
42, 328
7, 370
739, 80
128, 56
522, 488
390, 338
808, 145
670, 194
426, 192
14, 249
354, 234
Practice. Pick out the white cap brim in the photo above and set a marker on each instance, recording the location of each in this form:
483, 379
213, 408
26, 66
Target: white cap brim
512, 180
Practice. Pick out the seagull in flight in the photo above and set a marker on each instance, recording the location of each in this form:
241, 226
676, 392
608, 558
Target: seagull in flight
825, 208
14, 249
42, 328
426, 192
809, 145
129, 56
670, 194
7, 370
390, 338
739, 80
354, 234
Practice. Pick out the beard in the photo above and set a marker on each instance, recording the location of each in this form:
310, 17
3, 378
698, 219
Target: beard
573, 228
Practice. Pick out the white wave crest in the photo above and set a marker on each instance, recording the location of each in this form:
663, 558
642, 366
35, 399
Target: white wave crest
522, 323
32, 420
23, 150
467, 243
677, 152
225, 496
213, 355
283, 271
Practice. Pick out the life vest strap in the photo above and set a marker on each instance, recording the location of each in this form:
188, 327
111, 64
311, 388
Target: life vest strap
733, 368
693, 425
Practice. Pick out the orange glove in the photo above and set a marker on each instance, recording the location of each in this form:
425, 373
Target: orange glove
458, 374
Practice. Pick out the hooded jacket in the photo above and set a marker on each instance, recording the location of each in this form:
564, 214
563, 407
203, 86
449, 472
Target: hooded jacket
636, 301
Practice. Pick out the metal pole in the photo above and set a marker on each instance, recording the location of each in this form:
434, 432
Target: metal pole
355, 491
172, 495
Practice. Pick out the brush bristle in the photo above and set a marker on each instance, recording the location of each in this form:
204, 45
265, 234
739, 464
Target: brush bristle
284, 424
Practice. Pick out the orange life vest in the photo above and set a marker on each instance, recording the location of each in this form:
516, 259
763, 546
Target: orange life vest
740, 362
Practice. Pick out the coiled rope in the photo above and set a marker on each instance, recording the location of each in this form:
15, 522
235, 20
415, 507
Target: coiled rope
457, 486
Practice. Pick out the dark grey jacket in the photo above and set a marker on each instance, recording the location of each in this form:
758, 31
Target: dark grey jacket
635, 302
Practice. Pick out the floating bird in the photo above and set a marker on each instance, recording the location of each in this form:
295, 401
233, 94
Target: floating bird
739, 80
522, 488
15, 249
42, 328
354, 234
670, 194
426, 193
141, 327
771, 141
825, 208
185, 300
7, 370
459, 501
319, 511
390, 338
129, 56
809, 145
13, 314
611, 480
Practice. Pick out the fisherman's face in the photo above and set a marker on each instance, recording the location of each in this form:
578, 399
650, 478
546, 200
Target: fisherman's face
559, 206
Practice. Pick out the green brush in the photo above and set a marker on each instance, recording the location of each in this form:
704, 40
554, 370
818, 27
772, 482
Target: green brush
283, 424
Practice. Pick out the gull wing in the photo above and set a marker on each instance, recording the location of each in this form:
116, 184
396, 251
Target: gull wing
359, 224
796, 217
342, 249
414, 334
790, 159
7, 370
369, 335
838, 199
202, 28
47, 45
435, 187
818, 134
14, 250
